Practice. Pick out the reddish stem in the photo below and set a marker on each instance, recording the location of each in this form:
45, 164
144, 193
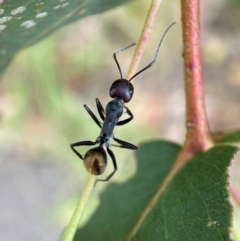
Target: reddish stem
151, 16
198, 136
235, 193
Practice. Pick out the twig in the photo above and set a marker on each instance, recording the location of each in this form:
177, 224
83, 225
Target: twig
152, 13
70, 231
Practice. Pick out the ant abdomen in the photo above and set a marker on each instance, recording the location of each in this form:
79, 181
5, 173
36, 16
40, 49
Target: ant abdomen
95, 160
122, 89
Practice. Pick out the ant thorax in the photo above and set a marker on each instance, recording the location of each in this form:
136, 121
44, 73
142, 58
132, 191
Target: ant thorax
114, 111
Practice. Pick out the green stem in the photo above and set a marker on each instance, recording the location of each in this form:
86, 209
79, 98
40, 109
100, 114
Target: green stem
142, 42
71, 229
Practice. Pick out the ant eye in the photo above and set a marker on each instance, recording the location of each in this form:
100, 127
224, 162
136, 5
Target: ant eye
122, 89
95, 160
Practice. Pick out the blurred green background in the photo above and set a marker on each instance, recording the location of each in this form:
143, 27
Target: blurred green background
43, 91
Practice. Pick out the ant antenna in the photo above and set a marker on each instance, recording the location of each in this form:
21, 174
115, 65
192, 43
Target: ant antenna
149, 65
115, 57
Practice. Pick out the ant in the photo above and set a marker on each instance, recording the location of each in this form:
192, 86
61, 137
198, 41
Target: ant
121, 90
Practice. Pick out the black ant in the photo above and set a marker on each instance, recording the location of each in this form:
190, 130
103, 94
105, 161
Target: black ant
95, 160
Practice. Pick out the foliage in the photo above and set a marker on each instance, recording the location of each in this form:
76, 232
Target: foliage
193, 206
162, 201
25, 22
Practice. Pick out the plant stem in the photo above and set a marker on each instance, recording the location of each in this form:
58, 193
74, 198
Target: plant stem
70, 231
235, 193
151, 16
198, 136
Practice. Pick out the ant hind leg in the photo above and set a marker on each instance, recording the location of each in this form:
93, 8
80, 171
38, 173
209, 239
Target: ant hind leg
81, 143
114, 166
124, 144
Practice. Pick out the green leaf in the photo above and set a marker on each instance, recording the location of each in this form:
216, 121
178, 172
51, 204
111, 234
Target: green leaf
194, 206
231, 137
25, 22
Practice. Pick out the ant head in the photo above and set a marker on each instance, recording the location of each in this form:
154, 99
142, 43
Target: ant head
122, 89
95, 160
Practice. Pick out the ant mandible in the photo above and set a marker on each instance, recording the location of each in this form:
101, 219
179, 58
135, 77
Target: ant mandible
121, 90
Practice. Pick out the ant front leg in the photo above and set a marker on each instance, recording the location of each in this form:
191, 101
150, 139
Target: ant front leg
81, 143
124, 144
123, 122
93, 116
111, 154
100, 109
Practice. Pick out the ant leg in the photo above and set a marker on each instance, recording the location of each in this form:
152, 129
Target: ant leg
100, 109
124, 144
93, 116
114, 166
81, 143
123, 122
